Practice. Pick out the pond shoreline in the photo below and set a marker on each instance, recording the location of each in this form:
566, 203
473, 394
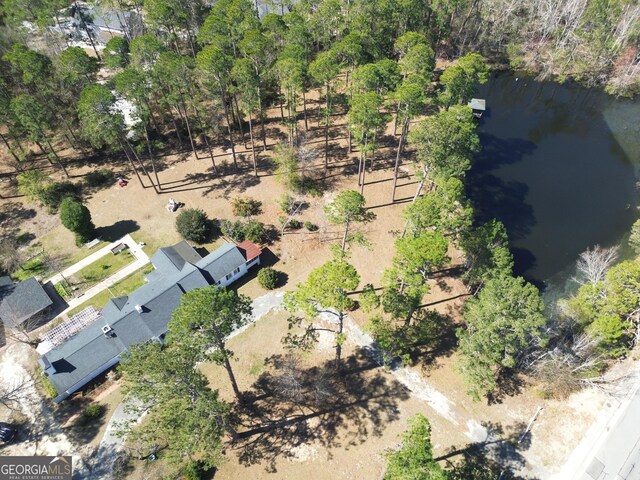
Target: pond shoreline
559, 167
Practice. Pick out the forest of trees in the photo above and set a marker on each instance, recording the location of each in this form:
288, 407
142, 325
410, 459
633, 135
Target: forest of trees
203, 75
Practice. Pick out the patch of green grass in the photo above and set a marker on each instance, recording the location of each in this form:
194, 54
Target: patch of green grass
123, 287
48, 387
62, 289
257, 365
68, 253
152, 243
33, 267
82, 253
103, 267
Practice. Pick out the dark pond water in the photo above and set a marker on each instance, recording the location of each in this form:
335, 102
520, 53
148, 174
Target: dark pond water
559, 167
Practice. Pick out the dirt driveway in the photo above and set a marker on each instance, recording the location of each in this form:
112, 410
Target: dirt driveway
39, 432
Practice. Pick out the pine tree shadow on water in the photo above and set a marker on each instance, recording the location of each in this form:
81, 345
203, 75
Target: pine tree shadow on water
495, 197
293, 406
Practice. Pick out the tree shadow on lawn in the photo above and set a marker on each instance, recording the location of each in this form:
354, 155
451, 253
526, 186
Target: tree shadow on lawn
267, 259
117, 230
82, 431
234, 185
293, 405
499, 456
13, 214
510, 383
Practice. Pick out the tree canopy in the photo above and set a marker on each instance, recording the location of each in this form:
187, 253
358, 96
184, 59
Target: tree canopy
446, 142
414, 459
504, 322
185, 414
205, 318
348, 207
326, 287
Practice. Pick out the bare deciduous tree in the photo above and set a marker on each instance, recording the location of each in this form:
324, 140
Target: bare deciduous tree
290, 384
10, 257
306, 156
25, 332
13, 393
568, 367
594, 262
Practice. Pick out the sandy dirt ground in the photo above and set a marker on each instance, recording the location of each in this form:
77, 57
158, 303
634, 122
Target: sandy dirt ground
44, 428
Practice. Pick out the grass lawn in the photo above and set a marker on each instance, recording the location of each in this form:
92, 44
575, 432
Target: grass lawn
70, 254
102, 268
123, 287
33, 267
82, 253
153, 243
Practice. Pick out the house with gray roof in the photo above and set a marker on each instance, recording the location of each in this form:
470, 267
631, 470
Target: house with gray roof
20, 302
143, 315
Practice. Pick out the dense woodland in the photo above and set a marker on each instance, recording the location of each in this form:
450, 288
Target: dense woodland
202, 77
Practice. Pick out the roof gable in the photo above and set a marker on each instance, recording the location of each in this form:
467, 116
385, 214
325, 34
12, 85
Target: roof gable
172, 259
250, 250
222, 261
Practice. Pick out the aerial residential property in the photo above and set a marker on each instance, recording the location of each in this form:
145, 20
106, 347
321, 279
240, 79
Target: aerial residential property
323, 239
143, 315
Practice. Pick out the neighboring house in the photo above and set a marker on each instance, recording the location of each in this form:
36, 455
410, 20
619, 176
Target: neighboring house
144, 314
21, 302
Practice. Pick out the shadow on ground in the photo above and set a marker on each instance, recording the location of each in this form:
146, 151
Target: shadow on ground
267, 259
294, 405
498, 457
117, 230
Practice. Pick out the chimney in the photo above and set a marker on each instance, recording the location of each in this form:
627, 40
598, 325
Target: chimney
139, 308
47, 368
106, 329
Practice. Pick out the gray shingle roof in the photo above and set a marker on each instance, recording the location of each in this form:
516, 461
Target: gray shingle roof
90, 350
168, 260
222, 261
21, 301
178, 254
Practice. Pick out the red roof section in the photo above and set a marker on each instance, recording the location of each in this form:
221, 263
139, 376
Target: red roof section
249, 249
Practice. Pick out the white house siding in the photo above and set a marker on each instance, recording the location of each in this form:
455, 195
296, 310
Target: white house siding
224, 281
251, 263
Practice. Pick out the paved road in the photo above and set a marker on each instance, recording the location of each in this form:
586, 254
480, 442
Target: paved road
610, 449
617, 456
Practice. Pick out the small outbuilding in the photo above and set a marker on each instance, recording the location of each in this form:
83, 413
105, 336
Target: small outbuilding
477, 106
20, 302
